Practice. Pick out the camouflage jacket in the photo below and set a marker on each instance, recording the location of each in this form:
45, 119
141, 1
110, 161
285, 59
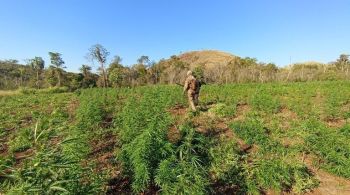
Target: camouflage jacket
188, 80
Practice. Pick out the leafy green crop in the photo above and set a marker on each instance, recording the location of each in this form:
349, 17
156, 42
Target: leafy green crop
143, 133
271, 167
185, 172
262, 100
331, 145
98, 141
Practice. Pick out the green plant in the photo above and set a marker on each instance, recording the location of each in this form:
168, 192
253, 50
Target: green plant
28, 91
143, 136
48, 173
330, 145
90, 113
278, 175
226, 165
223, 110
185, 172
263, 101
271, 167
70, 137
22, 141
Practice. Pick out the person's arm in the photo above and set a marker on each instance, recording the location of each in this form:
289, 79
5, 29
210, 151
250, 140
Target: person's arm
185, 86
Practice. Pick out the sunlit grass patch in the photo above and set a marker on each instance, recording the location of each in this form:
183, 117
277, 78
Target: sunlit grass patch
8, 92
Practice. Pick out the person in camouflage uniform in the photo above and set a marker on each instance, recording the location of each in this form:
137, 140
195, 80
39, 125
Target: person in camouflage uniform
192, 87
197, 90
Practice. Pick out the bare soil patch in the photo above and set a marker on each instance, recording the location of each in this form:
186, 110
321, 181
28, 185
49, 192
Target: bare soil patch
72, 107
223, 189
291, 141
3, 147
335, 122
287, 113
107, 122
329, 184
179, 113
178, 110
3, 141
19, 156
242, 110
209, 124
54, 141
103, 150
287, 116
103, 156
174, 134
122, 186
25, 121
118, 185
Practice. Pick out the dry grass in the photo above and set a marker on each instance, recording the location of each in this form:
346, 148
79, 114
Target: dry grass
208, 58
8, 93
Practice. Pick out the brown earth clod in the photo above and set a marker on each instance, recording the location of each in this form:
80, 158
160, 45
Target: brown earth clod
19, 156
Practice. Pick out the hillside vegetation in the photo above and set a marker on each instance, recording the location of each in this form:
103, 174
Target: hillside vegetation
211, 66
206, 58
245, 139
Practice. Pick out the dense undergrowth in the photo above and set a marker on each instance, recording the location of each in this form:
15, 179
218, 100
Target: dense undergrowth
53, 149
272, 165
331, 145
51, 142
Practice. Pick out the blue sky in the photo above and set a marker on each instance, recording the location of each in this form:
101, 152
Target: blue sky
269, 30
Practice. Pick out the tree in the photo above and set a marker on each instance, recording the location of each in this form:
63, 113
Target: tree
10, 61
99, 53
57, 62
88, 78
240, 70
85, 70
144, 60
155, 71
140, 74
198, 72
116, 72
50, 76
343, 63
21, 72
76, 81
37, 64
116, 76
267, 72
117, 60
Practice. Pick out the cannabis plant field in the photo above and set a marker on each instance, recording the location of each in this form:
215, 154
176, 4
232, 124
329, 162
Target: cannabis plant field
244, 139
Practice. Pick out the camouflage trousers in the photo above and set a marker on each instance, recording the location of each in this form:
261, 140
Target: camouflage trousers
193, 99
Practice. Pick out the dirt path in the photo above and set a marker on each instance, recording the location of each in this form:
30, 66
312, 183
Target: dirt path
179, 113
329, 184
209, 124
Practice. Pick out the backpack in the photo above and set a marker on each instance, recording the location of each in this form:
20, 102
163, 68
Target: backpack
193, 84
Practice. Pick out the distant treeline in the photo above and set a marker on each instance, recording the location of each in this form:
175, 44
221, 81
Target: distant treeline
145, 72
